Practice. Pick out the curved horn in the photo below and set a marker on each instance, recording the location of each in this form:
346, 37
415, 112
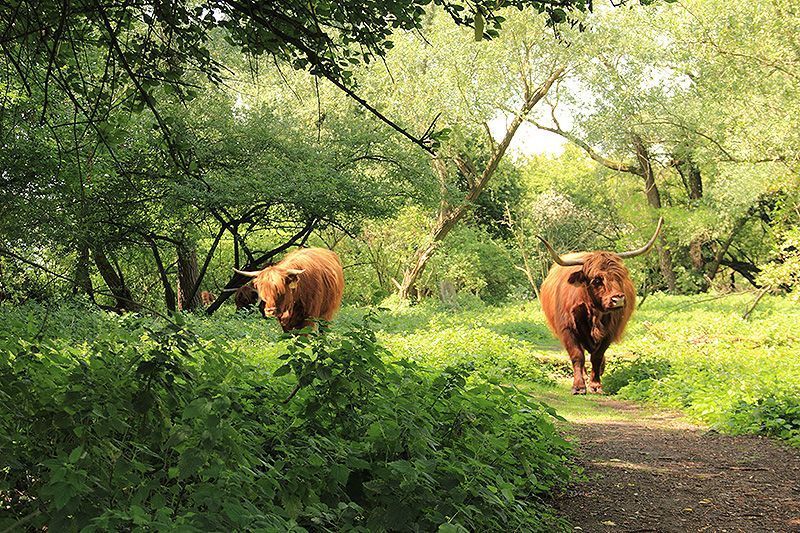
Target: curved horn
248, 273
646, 247
557, 258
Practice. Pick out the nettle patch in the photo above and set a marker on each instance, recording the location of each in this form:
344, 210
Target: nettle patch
145, 425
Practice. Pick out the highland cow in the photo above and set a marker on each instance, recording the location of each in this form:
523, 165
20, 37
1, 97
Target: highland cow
587, 299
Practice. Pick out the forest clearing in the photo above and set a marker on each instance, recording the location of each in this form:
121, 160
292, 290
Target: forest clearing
400, 265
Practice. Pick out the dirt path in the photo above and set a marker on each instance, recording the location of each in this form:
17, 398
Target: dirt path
654, 471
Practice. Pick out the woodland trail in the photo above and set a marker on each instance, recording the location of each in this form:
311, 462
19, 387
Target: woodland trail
649, 470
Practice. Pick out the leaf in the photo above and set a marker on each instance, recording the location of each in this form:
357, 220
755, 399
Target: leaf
282, 370
479, 25
340, 474
195, 408
76, 454
558, 15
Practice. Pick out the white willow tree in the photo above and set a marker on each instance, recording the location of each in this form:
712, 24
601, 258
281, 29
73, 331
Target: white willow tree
701, 107
483, 91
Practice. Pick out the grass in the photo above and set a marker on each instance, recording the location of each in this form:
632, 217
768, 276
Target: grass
133, 423
201, 408
692, 353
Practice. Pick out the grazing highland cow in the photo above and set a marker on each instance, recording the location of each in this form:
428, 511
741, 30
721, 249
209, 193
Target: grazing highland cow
587, 299
307, 284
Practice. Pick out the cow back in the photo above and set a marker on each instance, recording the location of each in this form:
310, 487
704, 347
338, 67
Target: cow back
321, 286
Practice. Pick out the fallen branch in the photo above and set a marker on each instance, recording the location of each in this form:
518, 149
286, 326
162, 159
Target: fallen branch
761, 294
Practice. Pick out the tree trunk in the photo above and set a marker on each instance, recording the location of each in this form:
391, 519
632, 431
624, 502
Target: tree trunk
169, 293
693, 183
421, 256
654, 199
448, 215
188, 274
519, 236
713, 267
115, 283
83, 281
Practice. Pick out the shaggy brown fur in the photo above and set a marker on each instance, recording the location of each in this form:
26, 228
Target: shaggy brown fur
581, 305
307, 284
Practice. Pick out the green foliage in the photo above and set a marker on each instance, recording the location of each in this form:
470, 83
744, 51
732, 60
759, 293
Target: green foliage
704, 358
110, 423
776, 415
784, 271
506, 342
636, 373
471, 259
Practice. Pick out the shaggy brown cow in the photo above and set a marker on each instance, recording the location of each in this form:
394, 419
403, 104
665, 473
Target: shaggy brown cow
307, 284
587, 299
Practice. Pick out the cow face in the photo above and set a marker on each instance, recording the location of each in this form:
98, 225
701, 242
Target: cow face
276, 288
603, 275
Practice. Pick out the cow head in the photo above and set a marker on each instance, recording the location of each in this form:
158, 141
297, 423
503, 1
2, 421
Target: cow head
245, 297
276, 288
603, 274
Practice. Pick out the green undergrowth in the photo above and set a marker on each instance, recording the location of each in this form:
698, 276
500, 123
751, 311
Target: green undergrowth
509, 342
429, 418
701, 356
128, 423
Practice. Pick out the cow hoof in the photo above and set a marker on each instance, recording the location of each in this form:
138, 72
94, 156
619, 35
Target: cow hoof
578, 390
596, 390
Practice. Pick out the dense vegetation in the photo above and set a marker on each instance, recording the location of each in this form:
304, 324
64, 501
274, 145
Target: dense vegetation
148, 148
738, 375
110, 423
698, 355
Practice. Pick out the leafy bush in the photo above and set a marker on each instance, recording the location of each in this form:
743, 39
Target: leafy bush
129, 423
776, 415
637, 373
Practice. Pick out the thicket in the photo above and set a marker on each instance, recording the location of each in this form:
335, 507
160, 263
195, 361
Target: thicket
126, 422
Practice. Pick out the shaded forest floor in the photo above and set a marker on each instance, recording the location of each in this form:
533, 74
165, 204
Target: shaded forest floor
652, 470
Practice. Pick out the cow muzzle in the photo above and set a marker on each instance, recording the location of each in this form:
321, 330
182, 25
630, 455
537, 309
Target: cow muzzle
617, 301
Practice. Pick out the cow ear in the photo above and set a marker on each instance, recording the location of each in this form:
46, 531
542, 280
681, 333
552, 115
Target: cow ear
292, 277
576, 278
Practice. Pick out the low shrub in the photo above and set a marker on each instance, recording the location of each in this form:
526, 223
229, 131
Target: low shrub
702, 357
636, 374
776, 415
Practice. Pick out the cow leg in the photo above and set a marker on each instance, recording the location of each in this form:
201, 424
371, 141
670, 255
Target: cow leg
578, 359
598, 366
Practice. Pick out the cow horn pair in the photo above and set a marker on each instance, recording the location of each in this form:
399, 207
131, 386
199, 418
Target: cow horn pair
624, 255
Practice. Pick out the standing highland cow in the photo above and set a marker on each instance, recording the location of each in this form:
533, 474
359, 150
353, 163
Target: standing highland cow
307, 284
587, 299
